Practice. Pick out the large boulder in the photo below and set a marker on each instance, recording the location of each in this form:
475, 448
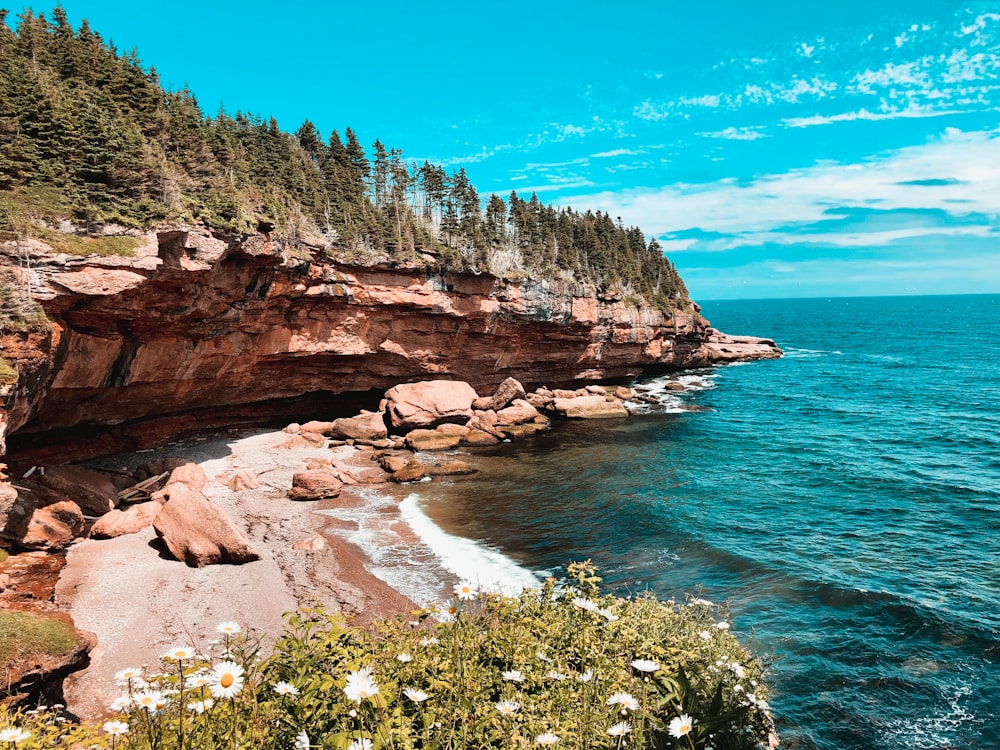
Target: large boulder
507, 391
431, 440
117, 523
589, 407
519, 412
429, 403
315, 484
197, 532
92, 491
365, 426
54, 526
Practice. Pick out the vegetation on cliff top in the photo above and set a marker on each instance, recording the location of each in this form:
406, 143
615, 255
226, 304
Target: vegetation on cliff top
88, 133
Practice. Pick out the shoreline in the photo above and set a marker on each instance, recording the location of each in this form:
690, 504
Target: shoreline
370, 553
139, 602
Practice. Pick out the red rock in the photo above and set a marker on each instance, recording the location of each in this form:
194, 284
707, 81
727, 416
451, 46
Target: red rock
393, 462
507, 391
453, 429
478, 437
412, 472
519, 431
430, 403
370, 426
242, 480
316, 426
451, 468
304, 440
92, 491
54, 526
312, 544
590, 407
431, 440
190, 474
198, 533
133, 519
518, 412
316, 484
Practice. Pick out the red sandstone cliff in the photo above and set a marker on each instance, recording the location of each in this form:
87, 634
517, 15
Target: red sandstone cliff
195, 331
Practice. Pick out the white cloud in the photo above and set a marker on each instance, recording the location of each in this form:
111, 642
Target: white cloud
735, 134
616, 152
954, 176
911, 111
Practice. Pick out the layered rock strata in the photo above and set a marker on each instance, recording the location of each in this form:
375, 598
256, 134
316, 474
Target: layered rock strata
195, 331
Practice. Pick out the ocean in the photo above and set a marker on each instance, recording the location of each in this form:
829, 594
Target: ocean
844, 500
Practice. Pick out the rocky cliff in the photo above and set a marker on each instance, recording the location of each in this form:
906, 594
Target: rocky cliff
196, 331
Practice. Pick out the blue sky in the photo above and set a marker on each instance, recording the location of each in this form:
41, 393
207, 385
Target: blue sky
776, 149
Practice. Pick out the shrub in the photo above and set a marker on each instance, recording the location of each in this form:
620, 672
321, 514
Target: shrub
561, 666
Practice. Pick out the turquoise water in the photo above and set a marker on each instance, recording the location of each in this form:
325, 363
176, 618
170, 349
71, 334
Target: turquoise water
845, 500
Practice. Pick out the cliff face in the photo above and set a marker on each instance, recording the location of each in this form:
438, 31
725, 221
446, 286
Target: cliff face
195, 332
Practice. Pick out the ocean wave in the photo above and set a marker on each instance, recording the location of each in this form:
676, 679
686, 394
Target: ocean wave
465, 558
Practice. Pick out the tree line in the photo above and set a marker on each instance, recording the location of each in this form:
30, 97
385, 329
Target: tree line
88, 131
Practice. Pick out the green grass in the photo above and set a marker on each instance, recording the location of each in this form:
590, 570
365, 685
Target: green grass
8, 377
24, 635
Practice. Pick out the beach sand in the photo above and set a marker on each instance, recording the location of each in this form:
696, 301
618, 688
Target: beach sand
139, 602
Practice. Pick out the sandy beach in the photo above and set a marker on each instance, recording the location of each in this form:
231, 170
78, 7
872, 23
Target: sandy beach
139, 602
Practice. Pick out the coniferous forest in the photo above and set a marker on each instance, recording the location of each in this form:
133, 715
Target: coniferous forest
87, 133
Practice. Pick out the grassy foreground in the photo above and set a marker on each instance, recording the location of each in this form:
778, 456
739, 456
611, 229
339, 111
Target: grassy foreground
562, 666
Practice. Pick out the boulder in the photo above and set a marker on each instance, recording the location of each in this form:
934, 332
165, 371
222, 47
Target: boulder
190, 474
316, 426
92, 491
518, 431
673, 385
312, 544
509, 390
304, 440
429, 403
412, 472
365, 426
518, 412
242, 480
453, 429
431, 440
450, 468
393, 462
590, 407
116, 523
54, 526
197, 532
478, 437
315, 484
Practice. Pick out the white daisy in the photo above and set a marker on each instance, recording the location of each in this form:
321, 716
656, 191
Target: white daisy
228, 628
508, 708
557, 676
705, 635
620, 729
465, 590
14, 735
226, 679
680, 726
585, 604
547, 738
722, 625
585, 676
285, 688
302, 741
513, 675
417, 696
625, 700
360, 685
151, 700
128, 674
362, 743
645, 665
404, 657
608, 615
178, 653
430, 641
200, 707
115, 728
